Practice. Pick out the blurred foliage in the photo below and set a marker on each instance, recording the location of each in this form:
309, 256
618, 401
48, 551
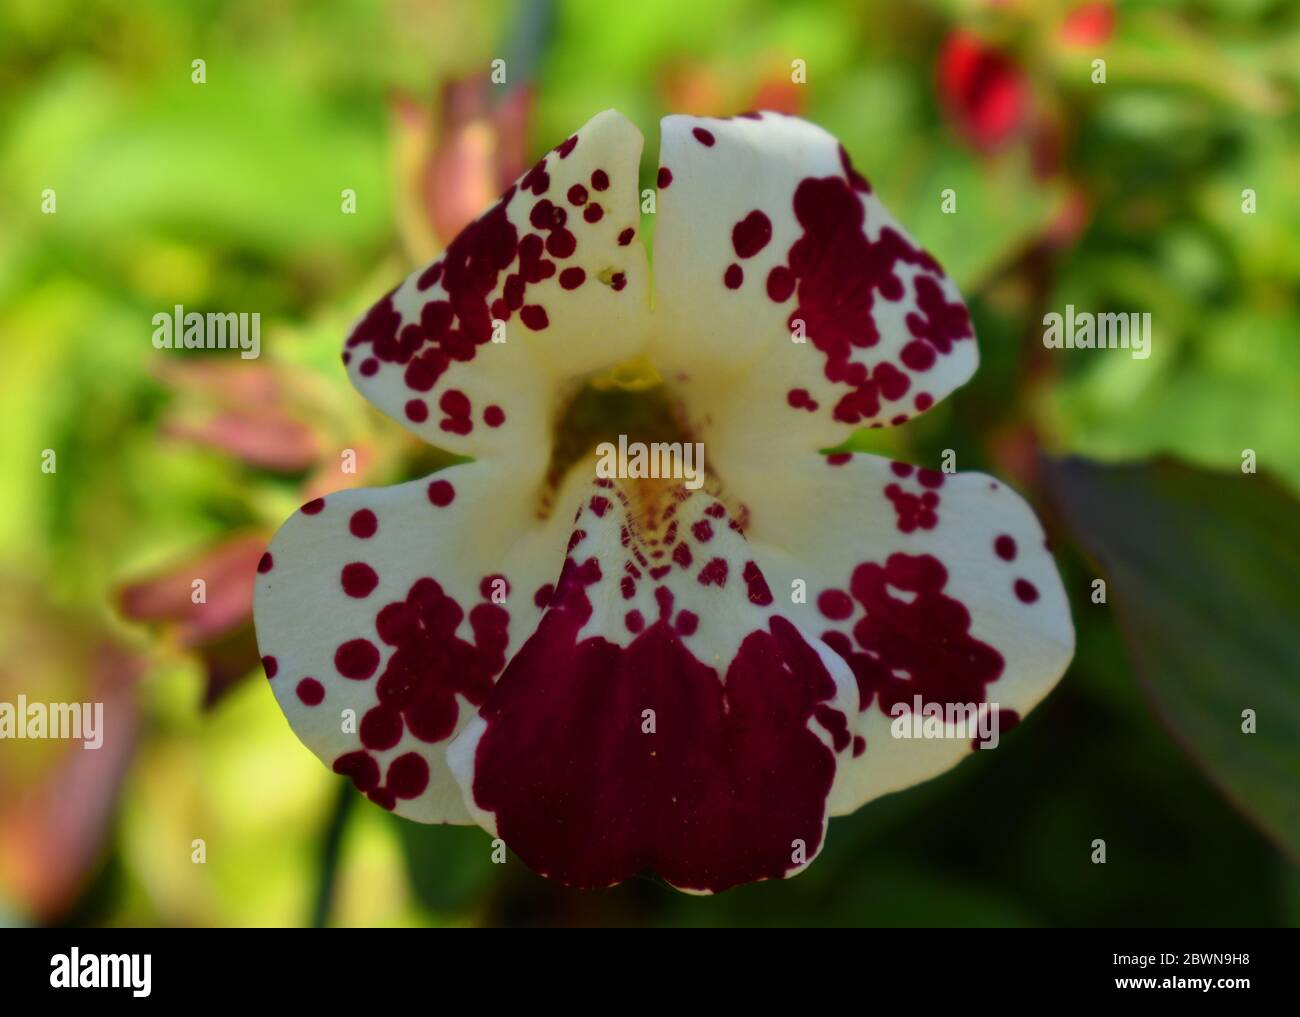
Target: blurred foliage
1125, 195
1203, 571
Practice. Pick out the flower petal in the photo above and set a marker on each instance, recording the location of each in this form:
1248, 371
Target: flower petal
553, 262
402, 605
927, 584
764, 230
664, 715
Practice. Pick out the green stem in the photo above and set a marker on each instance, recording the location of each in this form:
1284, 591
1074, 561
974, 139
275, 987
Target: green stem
331, 852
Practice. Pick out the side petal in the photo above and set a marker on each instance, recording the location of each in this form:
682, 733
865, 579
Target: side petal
795, 307
930, 585
471, 352
384, 615
663, 715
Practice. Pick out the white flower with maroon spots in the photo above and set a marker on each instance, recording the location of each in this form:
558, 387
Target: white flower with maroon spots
619, 675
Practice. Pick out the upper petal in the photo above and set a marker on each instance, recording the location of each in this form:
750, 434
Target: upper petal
931, 585
472, 351
764, 233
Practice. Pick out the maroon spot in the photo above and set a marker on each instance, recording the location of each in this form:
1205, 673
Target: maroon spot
1026, 591
534, 316
546, 215
929, 478
561, 243
902, 469
381, 728
431, 664
859, 745
408, 774
429, 276
543, 595
369, 367
780, 284
271, 666
417, 411
687, 622
756, 584
626, 236
714, 573
311, 692
702, 530
923, 401
494, 416
751, 234
838, 458
536, 180
314, 506
455, 403
347, 356
488, 587
733, 277
801, 399
665, 176
913, 510
704, 137
617, 281
564, 148
918, 355
265, 563
918, 644
423, 372
361, 767
599, 180
835, 604
634, 621
441, 493
363, 523
600, 504
1005, 546
577, 195
593, 213
356, 659
359, 579
572, 278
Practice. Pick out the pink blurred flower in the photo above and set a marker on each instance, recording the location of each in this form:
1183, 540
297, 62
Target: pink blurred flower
1089, 24
983, 91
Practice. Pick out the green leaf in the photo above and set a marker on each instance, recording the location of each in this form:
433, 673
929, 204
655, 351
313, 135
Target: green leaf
450, 866
1203, 574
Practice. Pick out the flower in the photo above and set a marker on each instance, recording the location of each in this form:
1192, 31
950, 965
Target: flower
1089, 24
983, 91
620, 674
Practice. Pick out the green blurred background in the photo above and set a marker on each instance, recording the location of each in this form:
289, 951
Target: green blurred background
1121, 195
